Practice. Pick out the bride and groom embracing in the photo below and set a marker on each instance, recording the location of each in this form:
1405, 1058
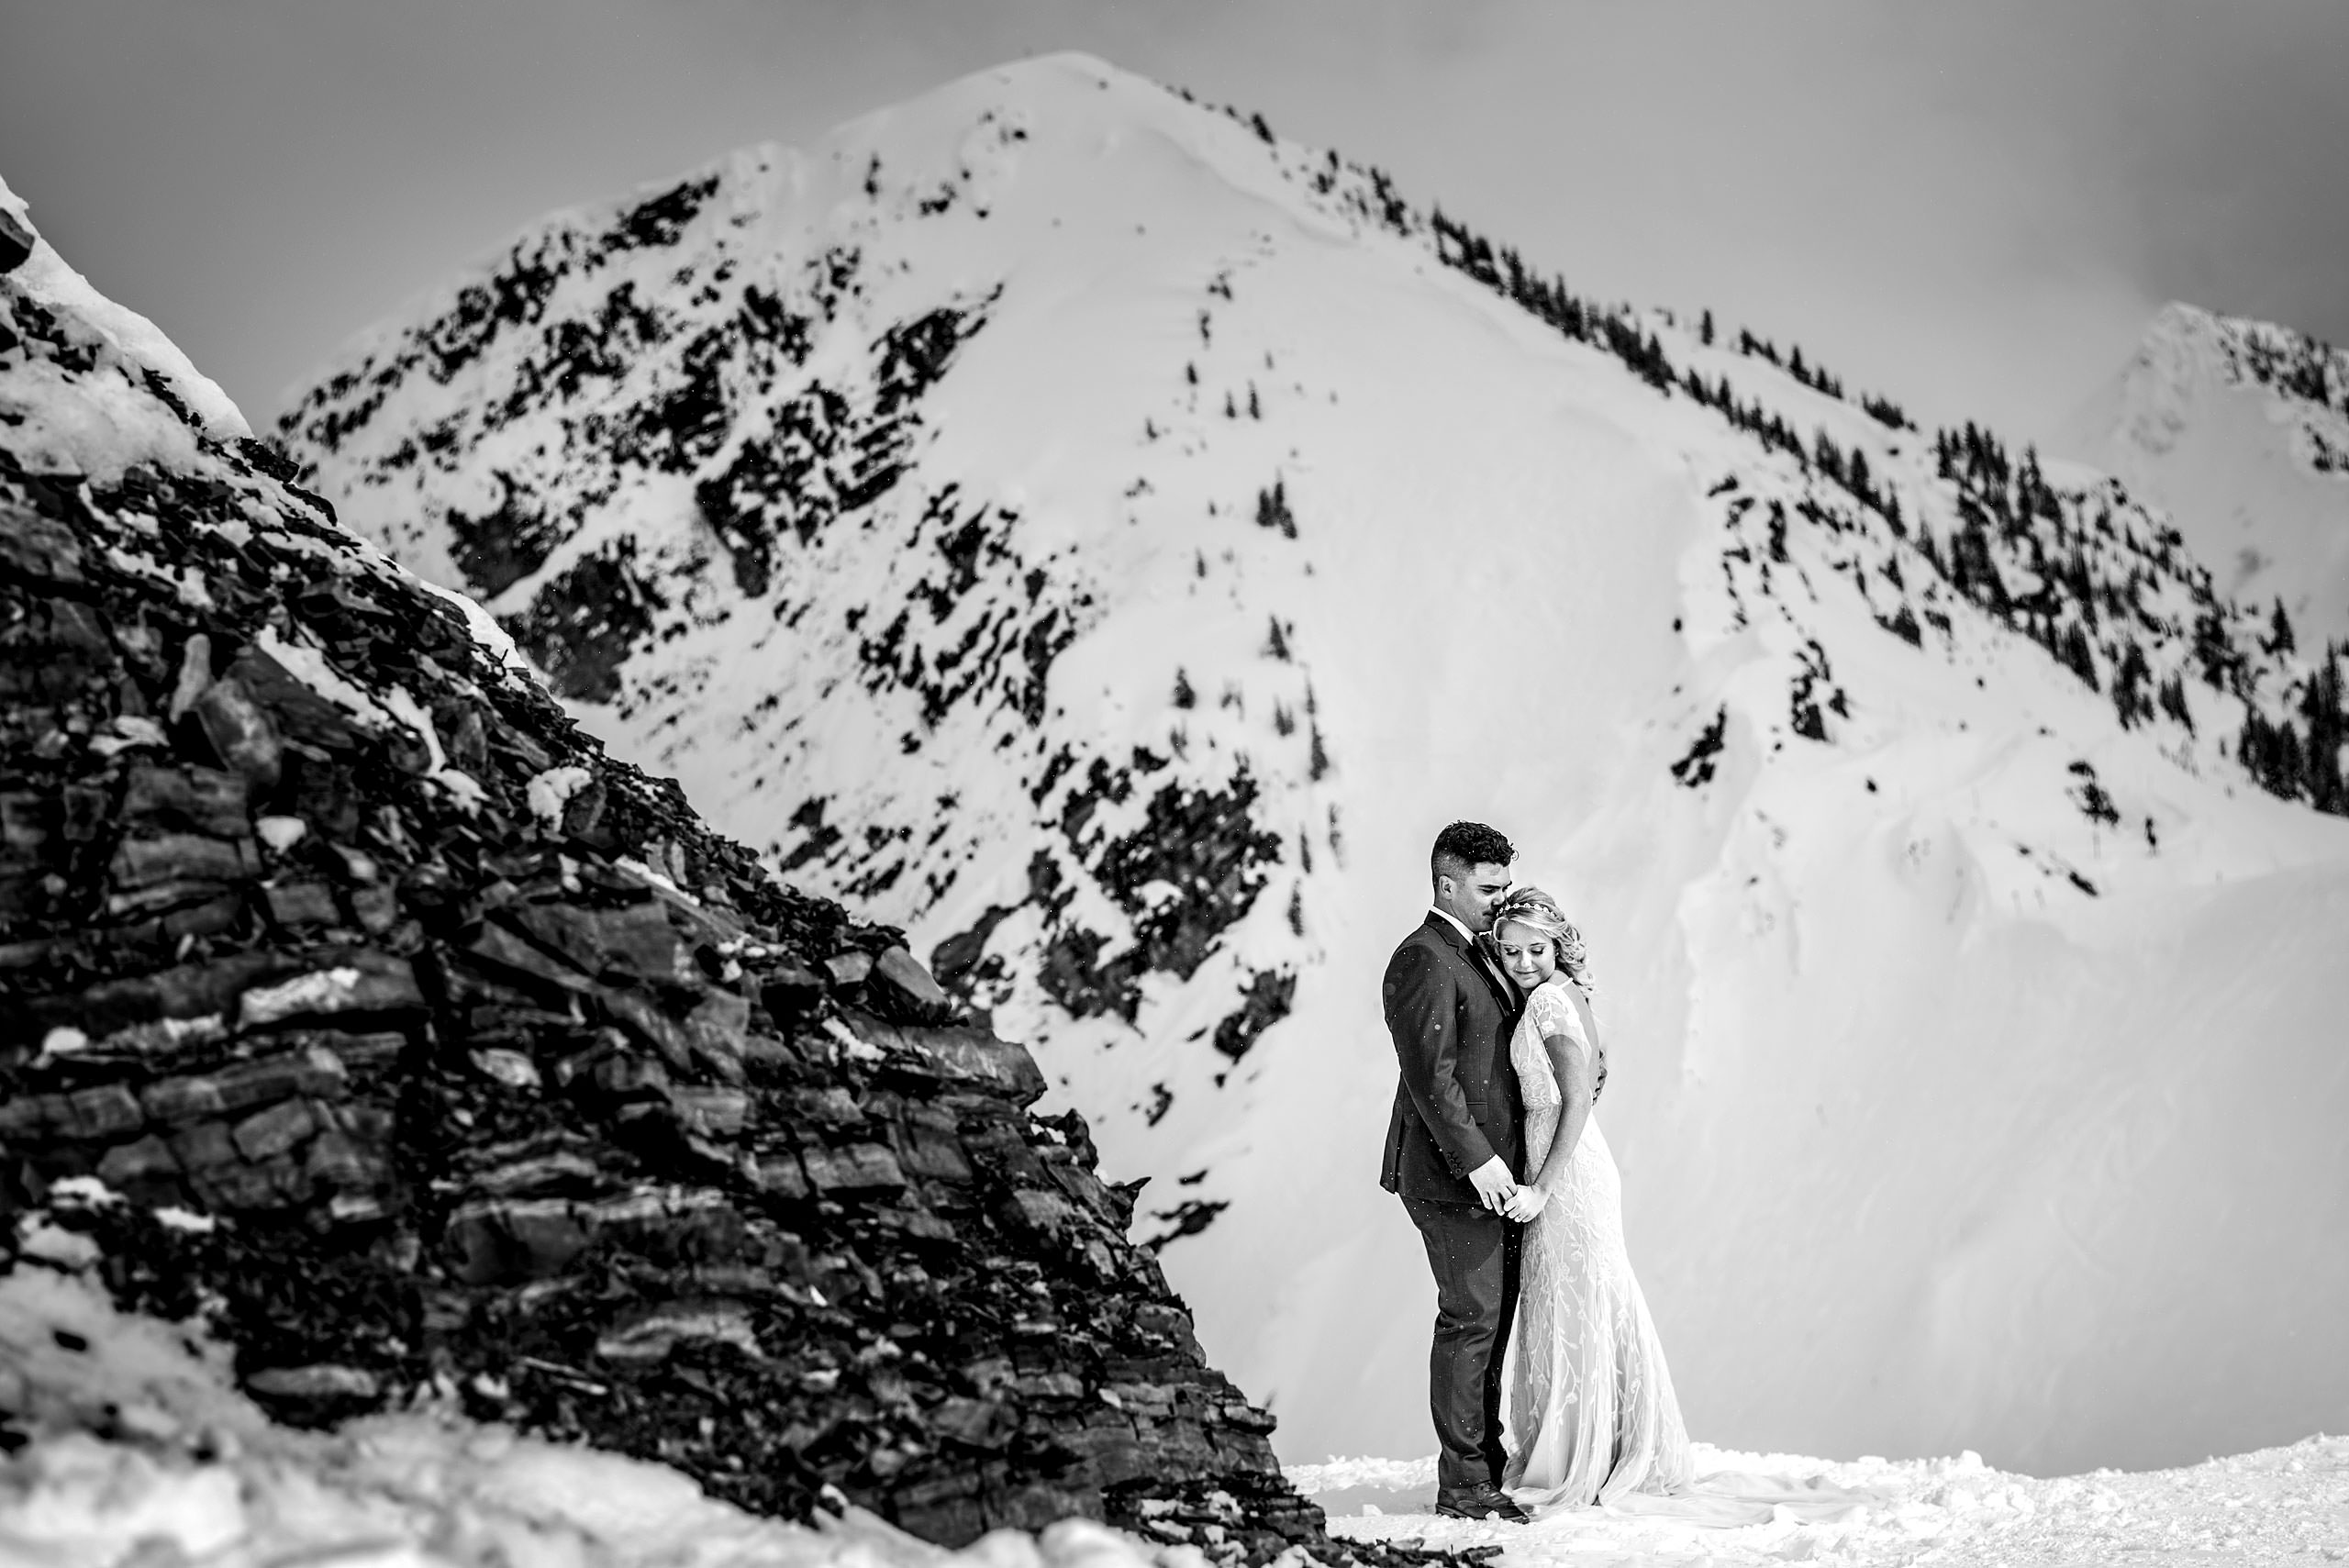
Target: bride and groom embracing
1496, 1152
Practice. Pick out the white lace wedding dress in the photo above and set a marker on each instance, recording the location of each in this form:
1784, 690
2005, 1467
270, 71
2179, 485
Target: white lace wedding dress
1591, 1415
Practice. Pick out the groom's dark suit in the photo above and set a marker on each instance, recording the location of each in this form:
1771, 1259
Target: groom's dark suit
1456, 1106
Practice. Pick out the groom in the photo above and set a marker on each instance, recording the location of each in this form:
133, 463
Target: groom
1454, 1145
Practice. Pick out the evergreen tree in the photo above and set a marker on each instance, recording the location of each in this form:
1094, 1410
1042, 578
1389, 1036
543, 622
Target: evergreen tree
1705, 329
2078, 655
2129, 684
2291, 763
2279, 631
2213, 651
1272, 509
2270, 754
1829, 457
2320, 705
2173, 702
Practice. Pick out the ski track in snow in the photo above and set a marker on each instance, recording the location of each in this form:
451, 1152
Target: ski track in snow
1977, 1078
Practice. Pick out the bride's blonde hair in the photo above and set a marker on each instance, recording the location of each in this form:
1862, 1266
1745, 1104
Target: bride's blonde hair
1532, 908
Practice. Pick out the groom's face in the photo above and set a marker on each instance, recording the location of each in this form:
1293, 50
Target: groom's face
1469, 897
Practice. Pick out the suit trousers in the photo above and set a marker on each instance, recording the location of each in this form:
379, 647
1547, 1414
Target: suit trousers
1474, 1254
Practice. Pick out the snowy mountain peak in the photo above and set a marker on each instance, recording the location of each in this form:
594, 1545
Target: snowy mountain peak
2240, 430
1109, 541
2188, 351
110, 431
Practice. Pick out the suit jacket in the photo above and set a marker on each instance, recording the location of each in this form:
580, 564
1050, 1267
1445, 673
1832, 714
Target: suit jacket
1457, 1104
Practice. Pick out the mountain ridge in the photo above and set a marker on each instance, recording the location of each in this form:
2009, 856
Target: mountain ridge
1138, 535
2240, 428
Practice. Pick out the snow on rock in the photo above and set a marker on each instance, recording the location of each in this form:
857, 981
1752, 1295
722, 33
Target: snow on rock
2240, 430
133, 1447
103, 426
1110, 541
550, 791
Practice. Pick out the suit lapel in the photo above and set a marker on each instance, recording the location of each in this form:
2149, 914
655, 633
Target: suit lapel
1475, 956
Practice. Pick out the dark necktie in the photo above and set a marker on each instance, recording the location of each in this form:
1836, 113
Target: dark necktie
1493, 970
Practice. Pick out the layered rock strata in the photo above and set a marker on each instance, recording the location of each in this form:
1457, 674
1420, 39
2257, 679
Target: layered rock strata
353, 1002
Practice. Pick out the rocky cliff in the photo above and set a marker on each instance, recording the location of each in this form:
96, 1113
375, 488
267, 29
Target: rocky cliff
355, 1004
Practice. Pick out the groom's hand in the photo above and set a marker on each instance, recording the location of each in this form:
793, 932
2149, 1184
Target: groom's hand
1494, 1186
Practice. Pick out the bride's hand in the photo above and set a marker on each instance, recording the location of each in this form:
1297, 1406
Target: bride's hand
1526, 1204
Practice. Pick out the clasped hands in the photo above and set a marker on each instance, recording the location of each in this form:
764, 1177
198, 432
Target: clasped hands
1504, 1194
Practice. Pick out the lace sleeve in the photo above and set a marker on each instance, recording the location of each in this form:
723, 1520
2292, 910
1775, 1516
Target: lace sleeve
1555, 1013
1559, 1016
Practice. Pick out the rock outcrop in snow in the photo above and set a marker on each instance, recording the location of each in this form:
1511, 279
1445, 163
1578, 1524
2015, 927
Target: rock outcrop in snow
355, 1004
1110, 541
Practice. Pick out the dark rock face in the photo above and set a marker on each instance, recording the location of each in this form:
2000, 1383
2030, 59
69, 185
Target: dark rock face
16, 242
535, 434
491, 1072
1204, 845
586, 622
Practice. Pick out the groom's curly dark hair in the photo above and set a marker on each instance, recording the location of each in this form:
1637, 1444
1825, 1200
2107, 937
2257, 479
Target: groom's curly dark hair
1465, 844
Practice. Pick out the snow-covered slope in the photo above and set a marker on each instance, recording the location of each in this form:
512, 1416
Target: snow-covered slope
1109, 542
2240, 429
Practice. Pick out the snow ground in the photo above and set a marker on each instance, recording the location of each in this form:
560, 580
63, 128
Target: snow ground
2278, 1505
142, 1455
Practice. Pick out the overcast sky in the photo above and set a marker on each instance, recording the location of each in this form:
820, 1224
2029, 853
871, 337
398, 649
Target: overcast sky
1971, 206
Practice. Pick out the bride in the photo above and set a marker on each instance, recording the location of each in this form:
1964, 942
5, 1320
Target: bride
1591, 1414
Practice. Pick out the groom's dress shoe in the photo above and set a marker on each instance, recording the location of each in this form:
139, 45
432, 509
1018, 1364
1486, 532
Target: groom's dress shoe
1481, 1501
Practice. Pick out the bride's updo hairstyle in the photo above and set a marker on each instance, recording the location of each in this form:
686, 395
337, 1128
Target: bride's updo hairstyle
1532, 907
